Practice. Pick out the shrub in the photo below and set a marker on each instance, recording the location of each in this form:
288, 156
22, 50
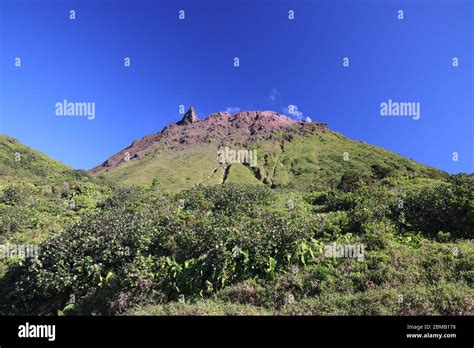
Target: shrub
76, 260
227, 199
14, 195
352, 181
380, 172
12, 219
446, 207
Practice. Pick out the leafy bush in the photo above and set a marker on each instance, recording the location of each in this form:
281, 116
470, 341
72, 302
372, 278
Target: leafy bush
14, 195
446, 207
74, 261
227, 199
380, 172
352, 181
12, 219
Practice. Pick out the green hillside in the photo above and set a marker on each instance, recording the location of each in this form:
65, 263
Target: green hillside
20, 162
300, 163
39, 194
173, 232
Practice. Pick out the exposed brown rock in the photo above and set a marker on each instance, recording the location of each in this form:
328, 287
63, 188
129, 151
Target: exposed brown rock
189, 117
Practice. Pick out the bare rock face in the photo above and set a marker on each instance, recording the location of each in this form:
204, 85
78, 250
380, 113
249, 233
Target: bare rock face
241, 128
189, 117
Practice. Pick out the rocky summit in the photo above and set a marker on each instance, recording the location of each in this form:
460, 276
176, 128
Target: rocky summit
242, 128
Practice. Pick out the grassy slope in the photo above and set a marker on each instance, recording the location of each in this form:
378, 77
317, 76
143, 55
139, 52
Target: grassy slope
304, 163
319, 161
32, 165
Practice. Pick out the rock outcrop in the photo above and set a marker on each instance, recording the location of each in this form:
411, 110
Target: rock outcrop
189, 117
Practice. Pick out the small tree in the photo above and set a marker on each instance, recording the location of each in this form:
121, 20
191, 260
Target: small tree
351, 181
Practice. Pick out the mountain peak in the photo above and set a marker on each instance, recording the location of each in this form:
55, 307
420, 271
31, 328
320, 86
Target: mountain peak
189, 117
244, 127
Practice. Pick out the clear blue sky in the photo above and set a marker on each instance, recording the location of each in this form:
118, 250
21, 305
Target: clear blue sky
190, 62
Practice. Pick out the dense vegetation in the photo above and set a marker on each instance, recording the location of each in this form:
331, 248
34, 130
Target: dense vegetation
238, 247
241, 249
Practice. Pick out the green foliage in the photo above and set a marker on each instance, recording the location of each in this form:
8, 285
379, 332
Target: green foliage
446, 208
227, 199
352, 181
240, 247
236, 249
380, 172
14, 195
